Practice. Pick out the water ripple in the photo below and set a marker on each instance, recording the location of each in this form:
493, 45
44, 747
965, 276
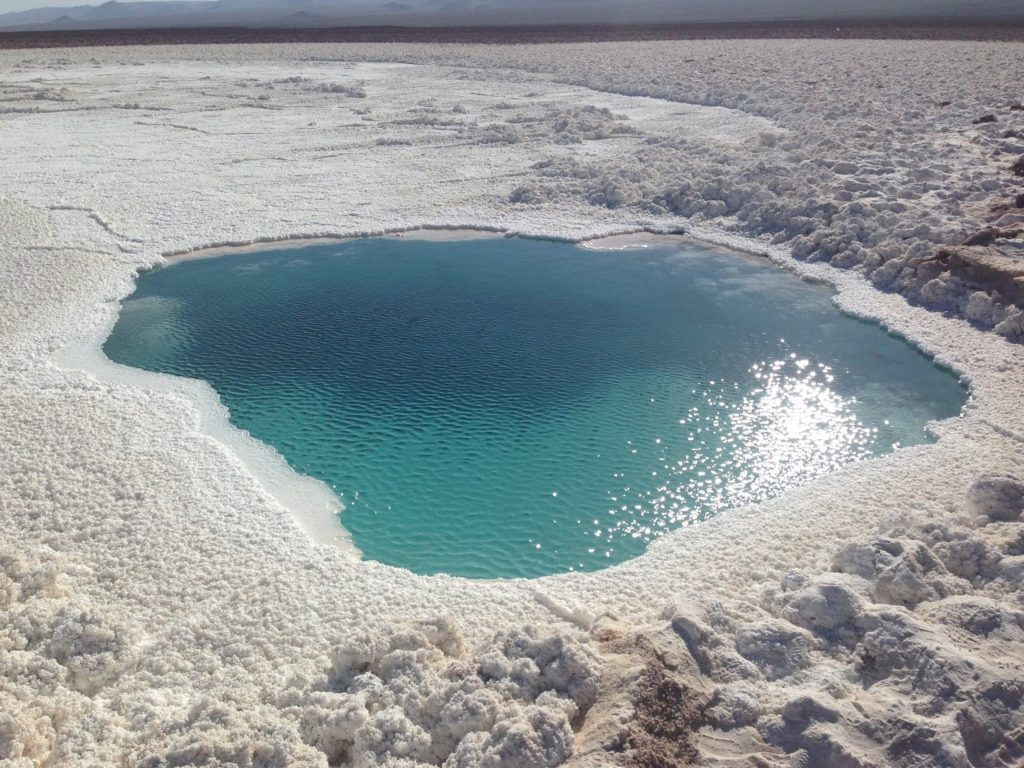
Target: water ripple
516, 408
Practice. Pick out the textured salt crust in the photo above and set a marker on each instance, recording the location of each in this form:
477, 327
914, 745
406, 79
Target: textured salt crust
161, 599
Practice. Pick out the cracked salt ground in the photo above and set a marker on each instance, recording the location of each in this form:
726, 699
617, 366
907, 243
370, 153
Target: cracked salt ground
162, 605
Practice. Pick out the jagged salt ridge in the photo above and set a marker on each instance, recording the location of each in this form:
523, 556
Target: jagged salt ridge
161, 605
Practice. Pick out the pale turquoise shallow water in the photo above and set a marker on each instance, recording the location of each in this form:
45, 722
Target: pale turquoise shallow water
495, 408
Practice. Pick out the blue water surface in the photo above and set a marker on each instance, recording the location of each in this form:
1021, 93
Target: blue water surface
504, 407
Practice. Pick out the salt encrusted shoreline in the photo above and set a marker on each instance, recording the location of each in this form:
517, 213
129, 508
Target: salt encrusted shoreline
162, 608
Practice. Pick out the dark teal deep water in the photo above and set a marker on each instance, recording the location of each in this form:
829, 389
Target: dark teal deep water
516, 408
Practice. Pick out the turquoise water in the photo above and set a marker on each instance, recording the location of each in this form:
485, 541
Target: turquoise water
494, 408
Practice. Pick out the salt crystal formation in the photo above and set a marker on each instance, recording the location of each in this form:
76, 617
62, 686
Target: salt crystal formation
163, 600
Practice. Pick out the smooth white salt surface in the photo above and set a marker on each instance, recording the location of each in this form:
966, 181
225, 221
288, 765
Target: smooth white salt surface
154, 577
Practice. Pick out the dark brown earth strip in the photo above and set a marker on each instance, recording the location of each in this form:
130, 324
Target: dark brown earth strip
893, 29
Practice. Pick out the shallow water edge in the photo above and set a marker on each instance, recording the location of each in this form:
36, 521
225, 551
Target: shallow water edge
313, 504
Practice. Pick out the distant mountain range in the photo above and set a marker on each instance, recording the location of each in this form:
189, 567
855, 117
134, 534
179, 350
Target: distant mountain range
329, 13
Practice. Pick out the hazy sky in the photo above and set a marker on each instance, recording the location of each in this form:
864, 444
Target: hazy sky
24, 5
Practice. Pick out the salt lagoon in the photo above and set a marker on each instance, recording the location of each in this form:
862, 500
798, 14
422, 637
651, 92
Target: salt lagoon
506, 407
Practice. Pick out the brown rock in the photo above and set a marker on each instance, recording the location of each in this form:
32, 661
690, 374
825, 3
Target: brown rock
982, 236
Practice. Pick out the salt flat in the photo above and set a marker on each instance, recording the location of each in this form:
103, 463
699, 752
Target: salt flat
163, 605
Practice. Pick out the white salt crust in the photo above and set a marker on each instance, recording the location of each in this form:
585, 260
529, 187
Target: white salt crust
162, 604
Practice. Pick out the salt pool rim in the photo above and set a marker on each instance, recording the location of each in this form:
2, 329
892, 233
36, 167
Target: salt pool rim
314, 506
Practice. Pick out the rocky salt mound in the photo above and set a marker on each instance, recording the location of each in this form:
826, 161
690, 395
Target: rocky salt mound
161, 604
920, 192
908, 652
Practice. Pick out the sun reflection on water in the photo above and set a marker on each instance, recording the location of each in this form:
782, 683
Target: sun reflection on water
790, 427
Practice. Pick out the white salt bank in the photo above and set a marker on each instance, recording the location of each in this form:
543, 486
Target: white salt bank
163, 605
